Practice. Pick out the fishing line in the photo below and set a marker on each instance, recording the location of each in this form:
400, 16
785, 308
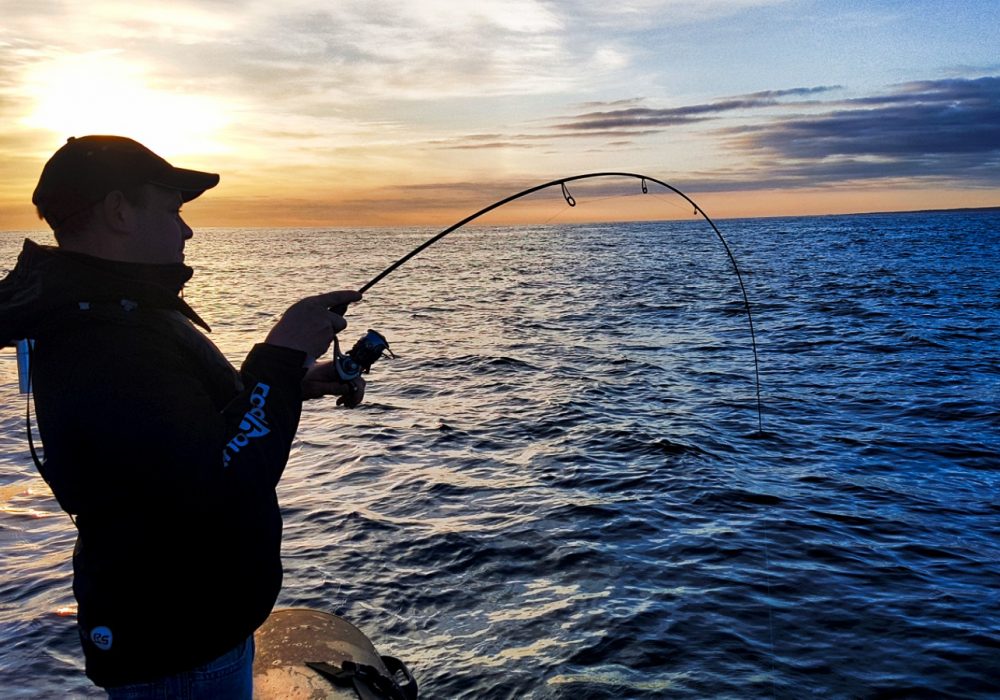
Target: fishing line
571, 201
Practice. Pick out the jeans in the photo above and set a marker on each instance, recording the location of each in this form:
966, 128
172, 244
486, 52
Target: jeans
229, 677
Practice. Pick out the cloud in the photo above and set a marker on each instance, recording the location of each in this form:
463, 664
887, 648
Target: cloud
628, 118
932, 129
638, 118
647, 14
473, 144
304, 52
928, 131
363, 52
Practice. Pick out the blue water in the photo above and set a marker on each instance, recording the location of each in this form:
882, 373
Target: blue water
558, 489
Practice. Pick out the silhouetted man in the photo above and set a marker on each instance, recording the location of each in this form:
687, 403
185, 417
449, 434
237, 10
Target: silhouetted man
166, 456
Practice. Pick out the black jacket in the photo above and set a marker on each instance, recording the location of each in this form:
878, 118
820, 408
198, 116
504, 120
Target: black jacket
167, 457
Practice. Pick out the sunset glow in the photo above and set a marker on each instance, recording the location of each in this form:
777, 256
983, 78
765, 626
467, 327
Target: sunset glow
342, 113
100, 93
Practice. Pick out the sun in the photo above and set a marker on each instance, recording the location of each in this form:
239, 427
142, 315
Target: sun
101, 93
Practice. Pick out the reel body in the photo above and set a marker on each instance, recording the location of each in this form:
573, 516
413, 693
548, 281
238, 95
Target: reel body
360, 358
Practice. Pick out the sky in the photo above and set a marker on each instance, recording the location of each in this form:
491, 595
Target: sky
362, 113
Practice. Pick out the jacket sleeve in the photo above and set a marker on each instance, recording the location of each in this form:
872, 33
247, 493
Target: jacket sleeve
126, 423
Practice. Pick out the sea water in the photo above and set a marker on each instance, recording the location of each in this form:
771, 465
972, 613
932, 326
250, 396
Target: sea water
558, 489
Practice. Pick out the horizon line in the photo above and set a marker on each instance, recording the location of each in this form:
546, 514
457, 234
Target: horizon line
578, 223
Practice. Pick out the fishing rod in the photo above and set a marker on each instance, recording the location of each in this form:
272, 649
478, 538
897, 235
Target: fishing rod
367, 350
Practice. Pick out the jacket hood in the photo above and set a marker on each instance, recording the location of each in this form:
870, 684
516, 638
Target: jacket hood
47, 280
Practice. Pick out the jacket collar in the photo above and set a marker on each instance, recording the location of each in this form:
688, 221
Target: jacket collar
46, 279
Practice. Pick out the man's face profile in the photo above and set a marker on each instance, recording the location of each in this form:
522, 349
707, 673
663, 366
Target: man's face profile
159, 230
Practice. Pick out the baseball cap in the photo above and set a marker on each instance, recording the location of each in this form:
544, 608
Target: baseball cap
86, 169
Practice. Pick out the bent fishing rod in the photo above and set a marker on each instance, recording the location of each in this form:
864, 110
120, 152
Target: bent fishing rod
369, 348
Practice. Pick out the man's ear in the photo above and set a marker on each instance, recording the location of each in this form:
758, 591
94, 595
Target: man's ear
119, 213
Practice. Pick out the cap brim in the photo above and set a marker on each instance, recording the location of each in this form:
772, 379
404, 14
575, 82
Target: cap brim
190, 183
